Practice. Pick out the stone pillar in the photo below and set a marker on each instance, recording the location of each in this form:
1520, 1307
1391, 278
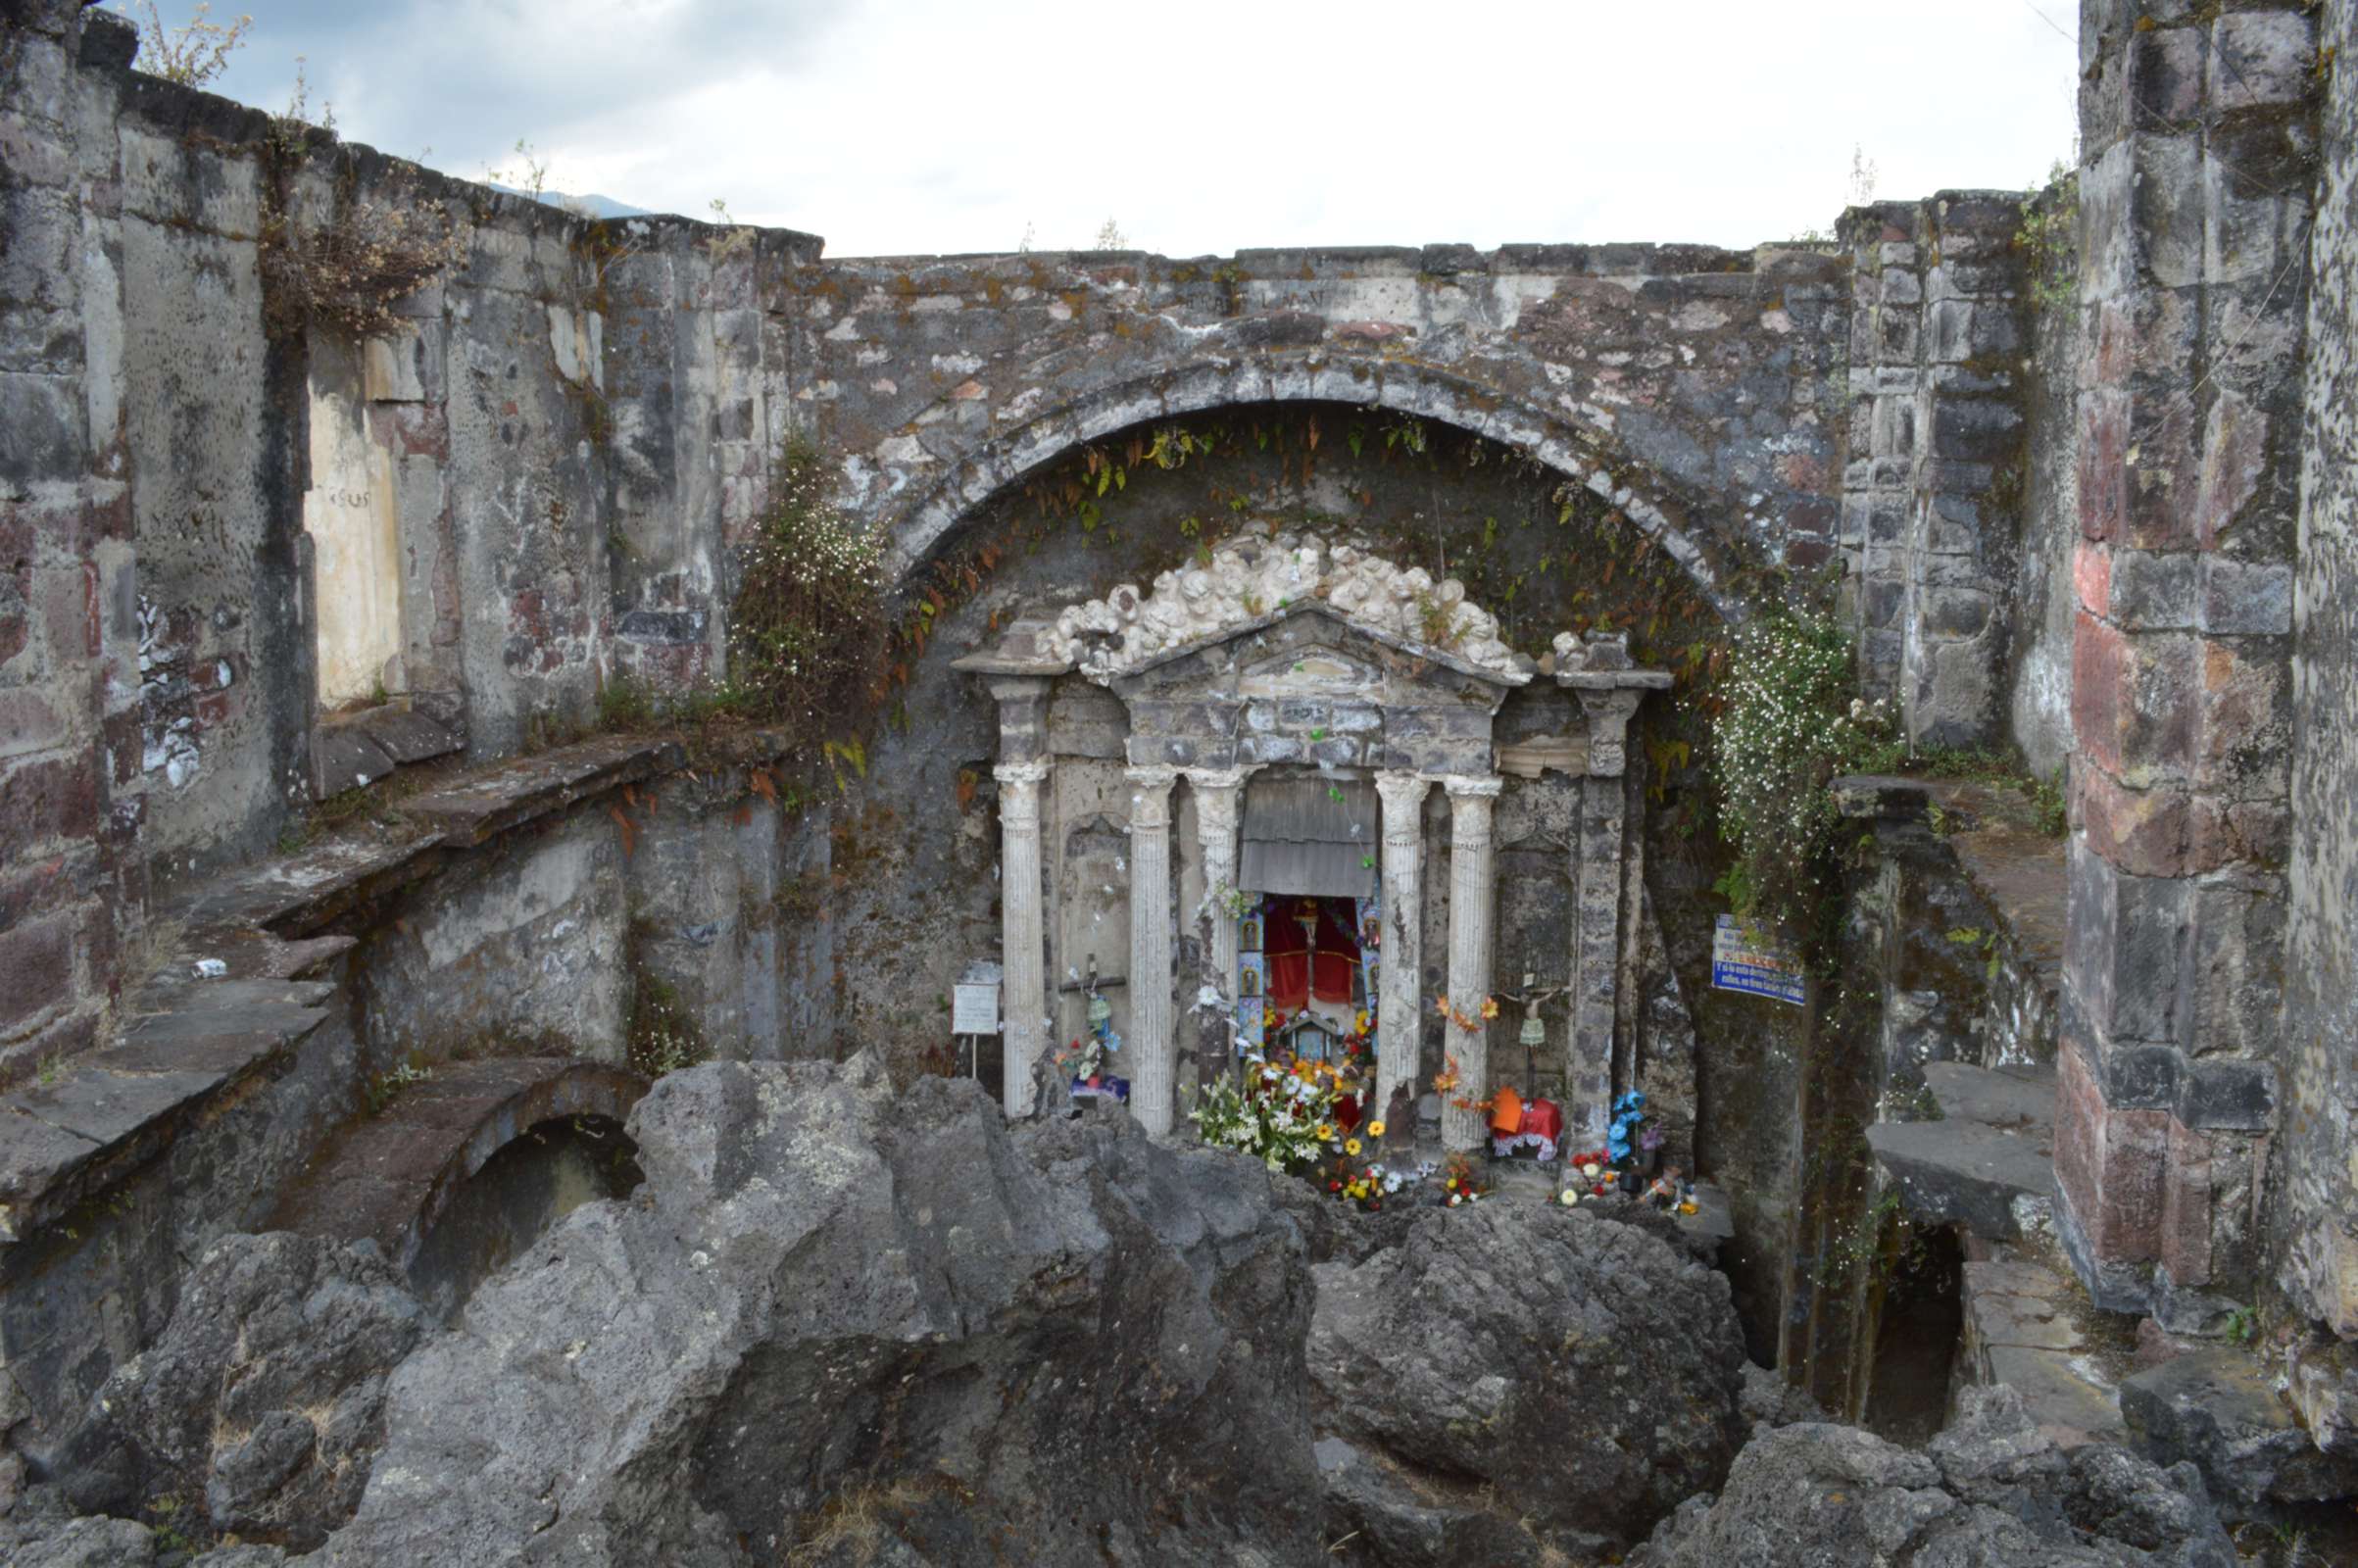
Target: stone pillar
1596, 871
1220, 795
1022, 940
1147, 1052
1399, 1010
1470, 892
2192, 289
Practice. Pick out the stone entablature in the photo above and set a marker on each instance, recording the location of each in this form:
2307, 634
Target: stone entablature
1217, 684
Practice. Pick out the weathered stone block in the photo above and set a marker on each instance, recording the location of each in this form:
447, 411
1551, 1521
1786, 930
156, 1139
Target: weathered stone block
2260, 58
2243, 597
38, 960
2134, 699
2126, 941
2235, 957
2246, 720
2152, 590
1964, 331
2102, 462
2109, 1164
47, 428
47, 799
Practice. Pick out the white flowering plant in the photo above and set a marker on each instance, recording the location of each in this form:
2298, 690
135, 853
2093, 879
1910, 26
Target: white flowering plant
807, 628
1791, 722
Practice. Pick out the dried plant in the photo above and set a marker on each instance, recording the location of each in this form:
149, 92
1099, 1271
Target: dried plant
348, 273
193, 55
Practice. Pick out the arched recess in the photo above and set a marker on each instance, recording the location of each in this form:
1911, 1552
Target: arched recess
393, 1177
1579, 453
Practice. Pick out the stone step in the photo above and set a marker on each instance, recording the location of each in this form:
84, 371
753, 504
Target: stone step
1987, 1164
2032, 1328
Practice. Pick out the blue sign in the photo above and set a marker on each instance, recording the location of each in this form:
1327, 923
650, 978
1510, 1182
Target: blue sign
1744, 960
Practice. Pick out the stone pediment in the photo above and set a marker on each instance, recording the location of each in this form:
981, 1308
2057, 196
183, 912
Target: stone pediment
1309, 670
1249, 586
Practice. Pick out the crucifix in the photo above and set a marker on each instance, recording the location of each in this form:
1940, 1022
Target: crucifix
1534, 1032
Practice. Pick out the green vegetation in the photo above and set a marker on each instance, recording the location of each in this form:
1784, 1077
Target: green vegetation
2049, 240
1791, 722
806, 631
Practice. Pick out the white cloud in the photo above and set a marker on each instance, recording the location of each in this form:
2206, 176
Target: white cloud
936, 125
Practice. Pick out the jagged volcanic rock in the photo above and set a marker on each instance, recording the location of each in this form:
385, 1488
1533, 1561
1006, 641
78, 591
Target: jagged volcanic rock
855, 1325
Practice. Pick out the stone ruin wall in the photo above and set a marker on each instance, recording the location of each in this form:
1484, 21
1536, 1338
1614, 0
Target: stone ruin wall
585, 418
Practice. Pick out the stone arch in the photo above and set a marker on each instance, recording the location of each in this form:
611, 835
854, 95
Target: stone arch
1573, 449
395, 1175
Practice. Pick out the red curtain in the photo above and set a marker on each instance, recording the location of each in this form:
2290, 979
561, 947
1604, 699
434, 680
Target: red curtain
1295, 968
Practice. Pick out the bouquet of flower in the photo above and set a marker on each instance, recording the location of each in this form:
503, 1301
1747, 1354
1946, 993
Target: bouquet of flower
1460, 1183
1592, 1171
1281, 1115
1364, 1185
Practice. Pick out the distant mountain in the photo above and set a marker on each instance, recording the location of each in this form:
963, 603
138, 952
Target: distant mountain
592, 205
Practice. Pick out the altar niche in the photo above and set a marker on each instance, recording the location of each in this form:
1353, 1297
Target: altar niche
1317, 725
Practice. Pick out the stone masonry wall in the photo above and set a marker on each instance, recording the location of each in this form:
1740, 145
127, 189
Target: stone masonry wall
2315, 1218
1935, 470
2043, 600
2197, 131
72, 880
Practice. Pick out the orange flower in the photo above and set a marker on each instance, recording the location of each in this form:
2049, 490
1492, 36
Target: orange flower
1490, 1007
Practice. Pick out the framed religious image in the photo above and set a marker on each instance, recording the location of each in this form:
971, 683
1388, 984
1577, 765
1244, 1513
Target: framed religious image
1248, 934
1375, 976
1371, 932
1249, 984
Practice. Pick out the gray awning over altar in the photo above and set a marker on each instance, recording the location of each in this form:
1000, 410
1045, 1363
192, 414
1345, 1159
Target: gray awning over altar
1310, 835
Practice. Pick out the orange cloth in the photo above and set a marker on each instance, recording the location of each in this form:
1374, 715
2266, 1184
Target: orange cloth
1507, 1113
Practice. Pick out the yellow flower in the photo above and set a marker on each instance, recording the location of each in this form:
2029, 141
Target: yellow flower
1351, 1147
1490, 1007
1326, 1132
1375, 1128
1360, 1020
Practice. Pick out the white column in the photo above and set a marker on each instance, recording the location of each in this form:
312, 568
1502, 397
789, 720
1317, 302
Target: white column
1147, 1052
1219, 794
1399, 1006
1469, 956
1021, 939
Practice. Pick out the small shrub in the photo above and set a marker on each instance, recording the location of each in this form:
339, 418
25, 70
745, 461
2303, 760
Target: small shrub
348, 273
806, 631
193, 55
1790, 724
2049, 240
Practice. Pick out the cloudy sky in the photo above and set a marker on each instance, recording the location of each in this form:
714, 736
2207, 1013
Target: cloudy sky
933, 126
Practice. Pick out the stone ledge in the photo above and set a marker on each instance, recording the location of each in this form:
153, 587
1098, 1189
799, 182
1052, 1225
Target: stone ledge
1988, 1163
189, 1038
472, 810
189, 1041
298, 894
